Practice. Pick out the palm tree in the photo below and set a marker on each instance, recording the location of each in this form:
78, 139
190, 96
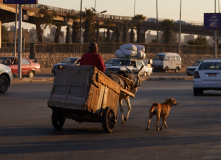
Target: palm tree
168, 35
138, 20
68, 35
57, 32
42, 19
89, 16
108, 23
125, 31
75, 28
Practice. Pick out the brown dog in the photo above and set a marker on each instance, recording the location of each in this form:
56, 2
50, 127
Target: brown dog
161, 110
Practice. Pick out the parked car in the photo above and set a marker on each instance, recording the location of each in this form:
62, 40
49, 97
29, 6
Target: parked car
191, 69
182, 22
207, 76
29, 68
68, 61
6, 77
121, 64
167, 61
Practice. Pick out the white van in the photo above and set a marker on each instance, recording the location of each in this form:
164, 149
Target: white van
167, 61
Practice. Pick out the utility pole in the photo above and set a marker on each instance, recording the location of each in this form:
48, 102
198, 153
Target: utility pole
180, 29
215, 39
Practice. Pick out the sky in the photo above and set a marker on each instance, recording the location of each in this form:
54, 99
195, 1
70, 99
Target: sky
191, 10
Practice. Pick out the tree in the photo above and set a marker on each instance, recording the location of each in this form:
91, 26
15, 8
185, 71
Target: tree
5, 33
168, 35
138, 20
42, 19
75, 28
89, 16
68, 35
108, 23
198, 41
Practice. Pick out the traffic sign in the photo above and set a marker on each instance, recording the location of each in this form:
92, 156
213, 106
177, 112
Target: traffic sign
212, 21
20, 1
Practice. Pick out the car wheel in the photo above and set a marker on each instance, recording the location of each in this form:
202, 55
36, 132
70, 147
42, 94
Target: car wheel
197, 91
177, 69
166, 69
4, 84
31, 74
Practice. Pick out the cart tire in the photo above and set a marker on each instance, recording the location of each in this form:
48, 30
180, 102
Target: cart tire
108, 120
57, 120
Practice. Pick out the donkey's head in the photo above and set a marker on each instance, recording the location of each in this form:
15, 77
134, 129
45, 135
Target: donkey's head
134, 76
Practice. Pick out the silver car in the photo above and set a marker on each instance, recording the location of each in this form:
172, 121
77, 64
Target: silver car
207, 76
6, 77
122, 64
191, 69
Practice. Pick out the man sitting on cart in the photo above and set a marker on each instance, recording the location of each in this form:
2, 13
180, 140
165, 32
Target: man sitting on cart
93, 58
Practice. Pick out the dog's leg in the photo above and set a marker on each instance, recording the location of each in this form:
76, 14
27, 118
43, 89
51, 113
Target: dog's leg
164, 123
151, 114
129, 107
158, 120
121, 111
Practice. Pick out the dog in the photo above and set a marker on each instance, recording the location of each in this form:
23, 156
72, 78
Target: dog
161, 110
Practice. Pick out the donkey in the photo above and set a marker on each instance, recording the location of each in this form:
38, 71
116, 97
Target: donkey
132, 87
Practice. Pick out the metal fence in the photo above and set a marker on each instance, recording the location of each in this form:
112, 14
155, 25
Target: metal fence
108, 48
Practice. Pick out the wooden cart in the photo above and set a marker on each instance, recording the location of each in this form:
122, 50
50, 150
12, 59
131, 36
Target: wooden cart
84, 94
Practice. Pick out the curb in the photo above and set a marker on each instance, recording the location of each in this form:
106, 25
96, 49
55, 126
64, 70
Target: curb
35, 79
149, 78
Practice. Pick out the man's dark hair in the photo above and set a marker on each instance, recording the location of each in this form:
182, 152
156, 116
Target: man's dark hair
93, 47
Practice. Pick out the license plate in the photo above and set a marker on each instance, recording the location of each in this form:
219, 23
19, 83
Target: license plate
211, 75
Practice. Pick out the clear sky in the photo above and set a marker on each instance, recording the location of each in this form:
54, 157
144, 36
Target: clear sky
192, 10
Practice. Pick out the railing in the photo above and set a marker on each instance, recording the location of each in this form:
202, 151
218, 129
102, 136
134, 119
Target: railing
108, 48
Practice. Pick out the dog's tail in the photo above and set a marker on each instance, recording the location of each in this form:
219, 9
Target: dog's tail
152, 109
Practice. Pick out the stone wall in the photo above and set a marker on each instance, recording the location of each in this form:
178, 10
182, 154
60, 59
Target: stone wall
47, 60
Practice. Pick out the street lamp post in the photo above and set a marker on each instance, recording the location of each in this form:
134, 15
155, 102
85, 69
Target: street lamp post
80, 19
215, 39
134, 6
180, 29
157, 26
97, 36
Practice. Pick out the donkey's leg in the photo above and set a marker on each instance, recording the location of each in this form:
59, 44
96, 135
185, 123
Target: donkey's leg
121, 111
129, 107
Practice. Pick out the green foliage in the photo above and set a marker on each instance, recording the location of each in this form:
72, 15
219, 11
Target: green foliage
42, 19
168, 35
198, 41
5, 33
89, 33
138, 20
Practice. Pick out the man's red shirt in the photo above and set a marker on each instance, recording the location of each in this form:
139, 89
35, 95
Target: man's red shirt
93, 58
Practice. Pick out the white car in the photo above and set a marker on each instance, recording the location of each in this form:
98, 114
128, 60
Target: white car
191, 69
119, 64
6, 77
207, 76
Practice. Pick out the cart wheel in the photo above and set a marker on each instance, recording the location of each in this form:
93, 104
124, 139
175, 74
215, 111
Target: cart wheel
108, 120
57, 120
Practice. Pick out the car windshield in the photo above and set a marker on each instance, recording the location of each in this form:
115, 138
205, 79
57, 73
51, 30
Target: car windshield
69, 60
159, 57
210, 66
121, 62
196, 63
111, 61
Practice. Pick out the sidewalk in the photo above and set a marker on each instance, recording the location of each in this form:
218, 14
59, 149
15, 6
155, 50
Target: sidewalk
46, 75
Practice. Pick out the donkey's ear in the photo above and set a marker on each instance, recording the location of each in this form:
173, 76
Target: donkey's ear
130, 71
140, 69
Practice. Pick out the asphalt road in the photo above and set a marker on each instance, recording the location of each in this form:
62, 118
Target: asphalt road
26, 132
